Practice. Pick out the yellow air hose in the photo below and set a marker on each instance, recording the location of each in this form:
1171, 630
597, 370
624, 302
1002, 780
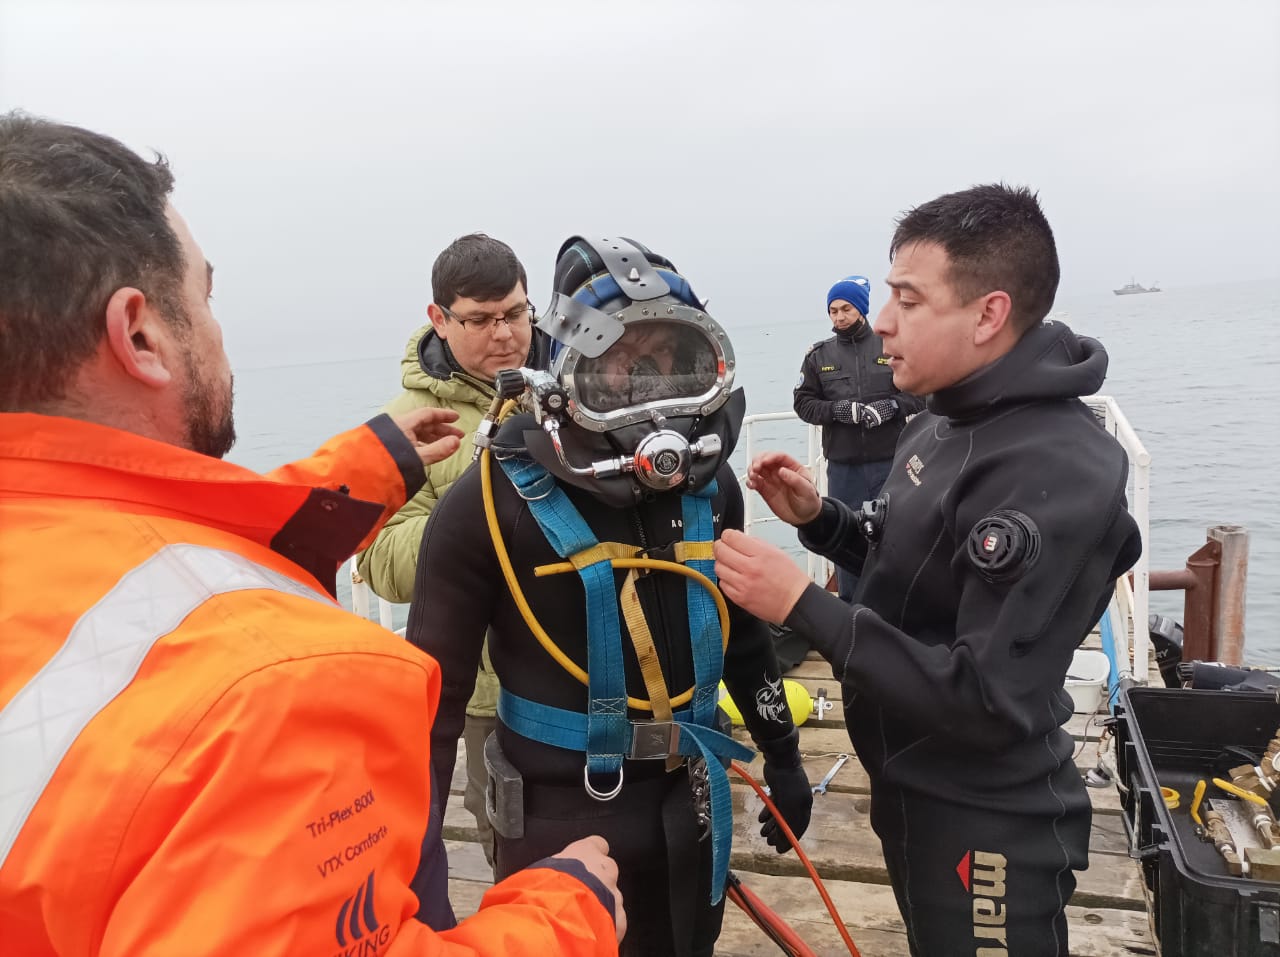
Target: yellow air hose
544, 639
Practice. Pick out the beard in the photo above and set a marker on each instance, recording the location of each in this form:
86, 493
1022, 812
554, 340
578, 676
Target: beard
211, 428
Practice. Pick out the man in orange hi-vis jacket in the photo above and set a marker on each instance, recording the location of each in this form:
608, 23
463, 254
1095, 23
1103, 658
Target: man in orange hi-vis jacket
200, 752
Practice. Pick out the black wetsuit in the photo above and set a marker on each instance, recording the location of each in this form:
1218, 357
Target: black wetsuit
664, 869
952, 673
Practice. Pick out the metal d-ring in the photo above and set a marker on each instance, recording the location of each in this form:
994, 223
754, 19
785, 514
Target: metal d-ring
551, 487
600, 795
535, 498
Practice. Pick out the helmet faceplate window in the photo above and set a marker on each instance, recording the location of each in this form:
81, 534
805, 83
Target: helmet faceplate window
670, 360
652, 362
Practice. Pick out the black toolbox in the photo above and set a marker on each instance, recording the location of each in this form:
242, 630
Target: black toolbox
1173, 737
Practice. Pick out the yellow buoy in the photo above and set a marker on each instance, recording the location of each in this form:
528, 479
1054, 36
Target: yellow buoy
798, 702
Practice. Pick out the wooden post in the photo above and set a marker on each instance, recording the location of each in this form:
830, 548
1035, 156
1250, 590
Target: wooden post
1228, 606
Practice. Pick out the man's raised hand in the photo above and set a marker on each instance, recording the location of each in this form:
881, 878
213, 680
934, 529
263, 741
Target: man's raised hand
430, 432
758, 577
786, 487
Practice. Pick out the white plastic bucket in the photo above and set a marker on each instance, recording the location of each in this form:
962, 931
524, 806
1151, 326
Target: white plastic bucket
1087, 680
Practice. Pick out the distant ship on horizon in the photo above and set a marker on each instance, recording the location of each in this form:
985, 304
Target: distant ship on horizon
1131, 288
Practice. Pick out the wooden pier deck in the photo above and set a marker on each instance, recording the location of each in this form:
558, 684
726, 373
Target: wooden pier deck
1107, 915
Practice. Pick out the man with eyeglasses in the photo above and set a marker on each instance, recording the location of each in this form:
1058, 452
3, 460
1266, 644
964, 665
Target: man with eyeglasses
481, 323
846, 386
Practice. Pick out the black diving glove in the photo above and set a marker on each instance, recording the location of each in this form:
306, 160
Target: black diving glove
877, 413
846, 411
788, 789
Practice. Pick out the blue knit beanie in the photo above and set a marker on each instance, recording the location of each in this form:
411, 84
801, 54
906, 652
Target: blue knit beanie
852, 289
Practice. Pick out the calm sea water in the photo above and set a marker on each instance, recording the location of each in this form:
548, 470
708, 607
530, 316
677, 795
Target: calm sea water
1196, 371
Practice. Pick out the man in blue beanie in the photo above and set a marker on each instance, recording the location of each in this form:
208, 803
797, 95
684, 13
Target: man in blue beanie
846, 386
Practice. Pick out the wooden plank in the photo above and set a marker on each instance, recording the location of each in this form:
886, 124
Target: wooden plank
869, 911
469, 876
467, 863
870, 914
820, 746
835, 813
841, 845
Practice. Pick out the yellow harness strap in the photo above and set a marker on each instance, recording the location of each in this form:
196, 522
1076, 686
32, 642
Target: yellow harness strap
689, 551
637, 626
655, 681
600, 552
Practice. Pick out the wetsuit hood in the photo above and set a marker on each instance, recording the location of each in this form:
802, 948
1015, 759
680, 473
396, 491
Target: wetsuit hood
1048, 362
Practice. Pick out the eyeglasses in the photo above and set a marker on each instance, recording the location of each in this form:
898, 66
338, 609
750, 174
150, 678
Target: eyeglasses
519, 316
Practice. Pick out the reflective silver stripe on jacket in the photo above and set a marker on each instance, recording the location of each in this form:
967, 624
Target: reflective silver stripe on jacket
100, 658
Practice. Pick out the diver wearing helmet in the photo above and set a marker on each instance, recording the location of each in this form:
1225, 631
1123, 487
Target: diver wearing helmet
602, 497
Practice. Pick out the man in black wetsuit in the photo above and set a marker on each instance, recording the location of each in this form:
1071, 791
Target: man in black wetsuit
989, 556
606, 717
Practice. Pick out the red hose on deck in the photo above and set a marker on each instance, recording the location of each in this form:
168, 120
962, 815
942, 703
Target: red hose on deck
808, 866
774, 927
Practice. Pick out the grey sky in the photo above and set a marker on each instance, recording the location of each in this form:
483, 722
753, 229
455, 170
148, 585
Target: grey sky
326, 152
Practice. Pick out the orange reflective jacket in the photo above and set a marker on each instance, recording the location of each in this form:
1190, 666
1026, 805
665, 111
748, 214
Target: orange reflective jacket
200, 753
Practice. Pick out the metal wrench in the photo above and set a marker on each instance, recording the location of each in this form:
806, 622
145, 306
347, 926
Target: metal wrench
821, 786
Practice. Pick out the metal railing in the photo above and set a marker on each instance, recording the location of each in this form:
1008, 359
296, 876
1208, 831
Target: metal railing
818, 568
362, 595
1135, 627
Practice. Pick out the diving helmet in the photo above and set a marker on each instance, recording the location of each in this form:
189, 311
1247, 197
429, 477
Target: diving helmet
641, 377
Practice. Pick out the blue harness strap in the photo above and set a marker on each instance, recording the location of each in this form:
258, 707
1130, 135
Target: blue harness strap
705, 639
608, 733
604, 732
570, 730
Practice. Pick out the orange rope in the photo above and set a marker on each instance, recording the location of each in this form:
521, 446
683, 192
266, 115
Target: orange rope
804, 858
732, 892
773, 926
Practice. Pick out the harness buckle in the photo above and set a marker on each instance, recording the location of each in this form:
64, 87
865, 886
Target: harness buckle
664, 553
654, 739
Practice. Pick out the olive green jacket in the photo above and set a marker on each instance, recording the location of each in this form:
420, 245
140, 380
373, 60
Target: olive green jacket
389, 565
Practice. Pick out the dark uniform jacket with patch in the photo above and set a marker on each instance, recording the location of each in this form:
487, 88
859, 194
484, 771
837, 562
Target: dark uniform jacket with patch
952, 666
851, 365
